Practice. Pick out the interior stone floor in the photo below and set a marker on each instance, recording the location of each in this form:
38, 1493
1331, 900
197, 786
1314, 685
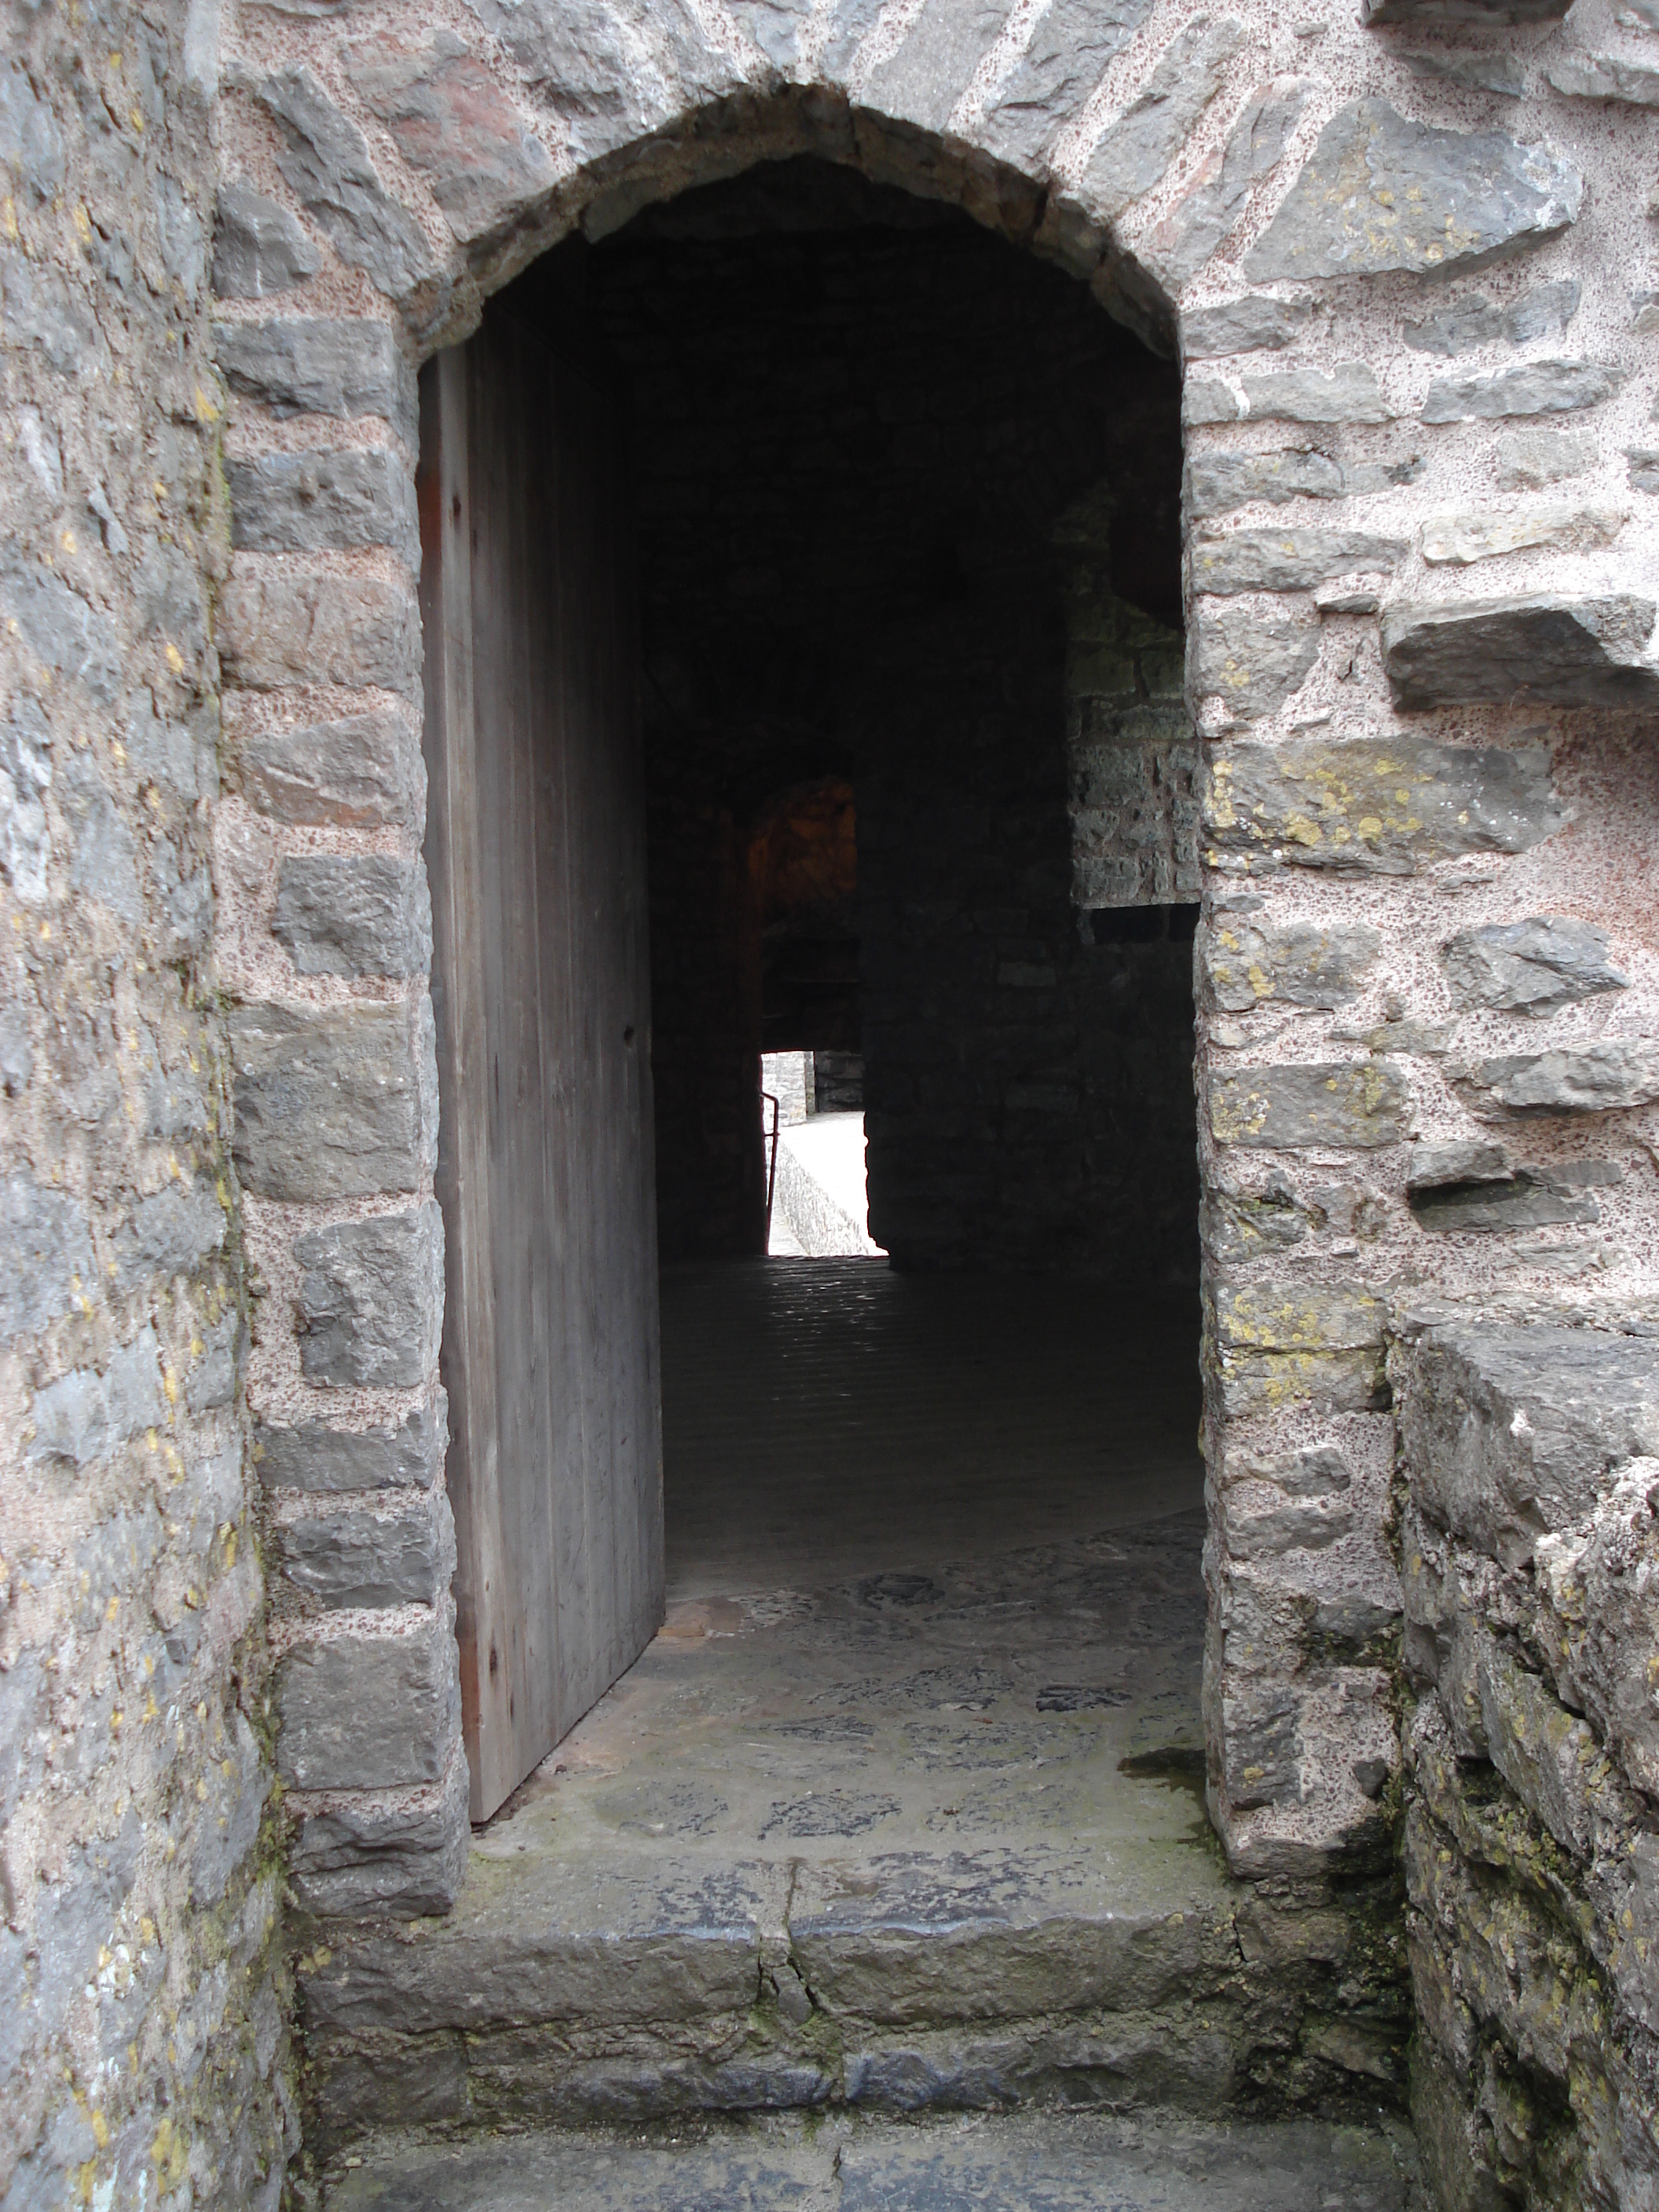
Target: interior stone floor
934, 1608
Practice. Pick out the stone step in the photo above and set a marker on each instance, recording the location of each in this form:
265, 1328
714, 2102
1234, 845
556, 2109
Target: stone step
1032, 2161
919, 1839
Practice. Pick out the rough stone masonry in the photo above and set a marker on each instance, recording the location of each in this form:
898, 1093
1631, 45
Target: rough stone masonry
1410, 267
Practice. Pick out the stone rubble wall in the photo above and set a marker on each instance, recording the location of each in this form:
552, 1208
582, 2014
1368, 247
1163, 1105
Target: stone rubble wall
1407, 269
144, 2003
1530, 1553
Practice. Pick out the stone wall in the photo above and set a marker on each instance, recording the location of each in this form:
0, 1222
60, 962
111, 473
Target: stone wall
1529, 1545
144, 2046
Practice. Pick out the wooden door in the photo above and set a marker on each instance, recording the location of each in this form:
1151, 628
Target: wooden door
535, 850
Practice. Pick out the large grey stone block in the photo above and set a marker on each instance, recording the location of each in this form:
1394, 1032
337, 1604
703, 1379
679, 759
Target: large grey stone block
31, 144
1545, 646
1472, 320
173, 1232
1291, 559
1342, 1105
1469, 14
1597, 1078
1510, 1430
1598, 1624
307, 502
1373, 805
1530, 1198
333, 1102
369, 1713
1202, 217
1255, 324
45, 1253
1381, 193
1253, 663
1348, 393
403, 1856
371, 1300
340, 915
1279, 1343
454, 123
278, 628
409, 1455
321, 365
1532, 967
326, 162
236, 1785
361, 772
258, 247
1549, 1757
1534, 387
1219, 482
1247, 963
378, 1556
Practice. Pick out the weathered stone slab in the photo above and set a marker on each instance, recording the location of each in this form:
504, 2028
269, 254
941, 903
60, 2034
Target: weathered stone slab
922, 80
1347, 393
1534, 387
369, 1713
1472, 15
1561, 651
1502, 74
277, 629
385, 1556
86, 1412
326, 165
1531, 1198
1598, 1618
1644, 470
371, 1301
455, 124
615, 75
1255, 324
1532, 967
332, 1102
1293, 560
361, 772
258, 247
1511, 1430
1281, 1343
318, 365
1248, 964
1253, 665
404, 1855
1179, 246
1605, 76
407, 1457
1598, 1078
1548, 1756
1380, 193
73, 638
1466, 1160
1146, 138
45, 1253
305, 502
1341, 1105
1069, 48
1219, 482
1463, 538
340, 915
1376, 806
1474, 320
171, 1233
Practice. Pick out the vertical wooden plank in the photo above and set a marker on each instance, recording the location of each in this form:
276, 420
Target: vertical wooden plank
538, 854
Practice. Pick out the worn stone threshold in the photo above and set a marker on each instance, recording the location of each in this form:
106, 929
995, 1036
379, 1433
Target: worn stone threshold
1046, 2161
917, 1839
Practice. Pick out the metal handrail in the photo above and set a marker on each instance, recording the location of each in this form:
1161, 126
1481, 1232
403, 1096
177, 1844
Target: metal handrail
767, 1099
